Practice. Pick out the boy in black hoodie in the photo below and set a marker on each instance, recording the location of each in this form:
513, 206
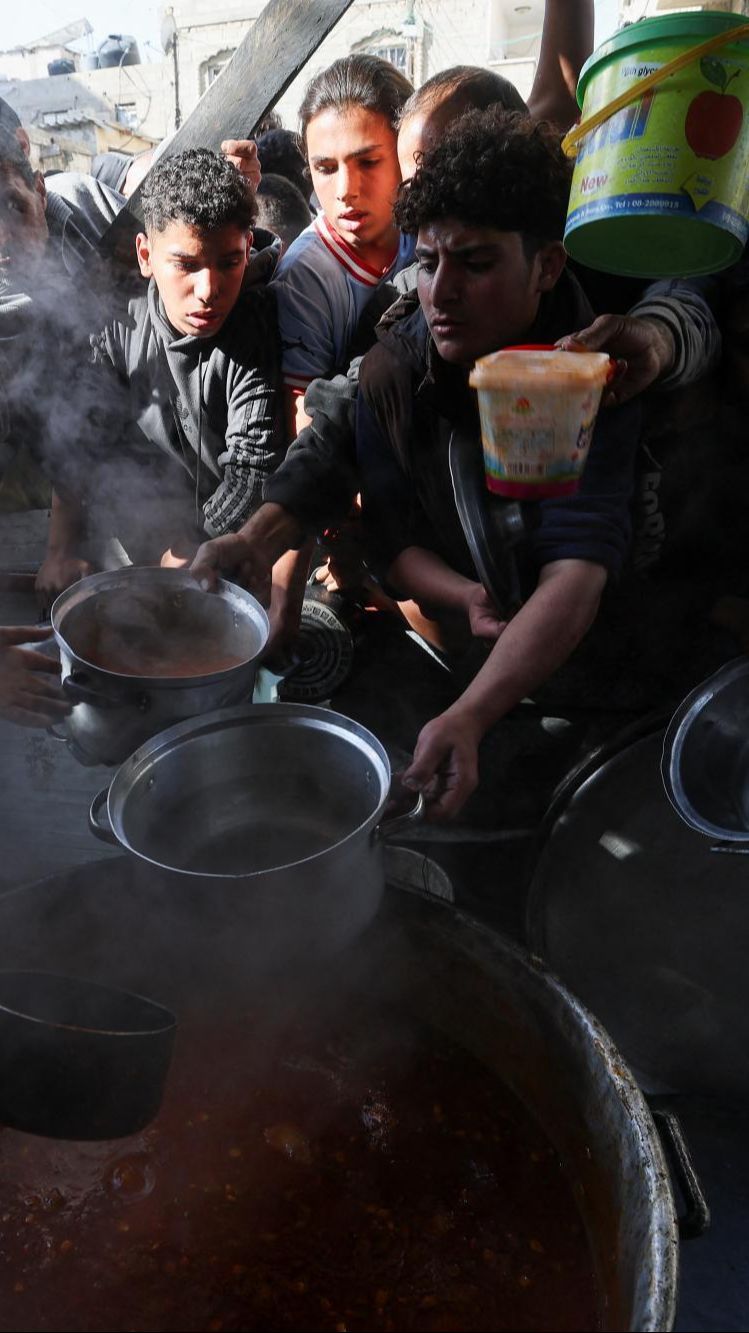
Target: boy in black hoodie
192, 370
488, 208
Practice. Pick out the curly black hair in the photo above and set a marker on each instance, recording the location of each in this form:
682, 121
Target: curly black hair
200, 188
493, 168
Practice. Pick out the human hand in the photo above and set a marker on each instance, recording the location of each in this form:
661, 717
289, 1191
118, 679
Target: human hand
242, 153
285, 614
56, 574
483, 616
171, 561
445, 763
28, 696
232, 554
643, 349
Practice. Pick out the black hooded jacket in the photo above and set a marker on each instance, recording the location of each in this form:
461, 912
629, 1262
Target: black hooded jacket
409, 402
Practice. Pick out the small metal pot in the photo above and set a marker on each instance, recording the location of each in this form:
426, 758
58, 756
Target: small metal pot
280, 804
114, 711
80, 1060
705, 765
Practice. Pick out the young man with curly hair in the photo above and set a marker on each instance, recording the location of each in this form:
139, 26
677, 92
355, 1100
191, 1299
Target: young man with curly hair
487, 208
199, 355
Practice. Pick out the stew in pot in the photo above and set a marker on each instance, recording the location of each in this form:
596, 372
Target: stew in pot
369, 1177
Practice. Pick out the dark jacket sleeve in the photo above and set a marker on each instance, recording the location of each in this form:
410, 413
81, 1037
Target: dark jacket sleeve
594, 524
390, 514
318, 480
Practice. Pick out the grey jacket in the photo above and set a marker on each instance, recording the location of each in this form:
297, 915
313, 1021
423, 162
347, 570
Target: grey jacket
211, 404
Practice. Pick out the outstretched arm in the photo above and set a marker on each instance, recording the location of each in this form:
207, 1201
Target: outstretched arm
534, 644
566, 43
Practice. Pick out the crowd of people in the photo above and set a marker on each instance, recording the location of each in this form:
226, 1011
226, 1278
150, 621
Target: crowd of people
286, 353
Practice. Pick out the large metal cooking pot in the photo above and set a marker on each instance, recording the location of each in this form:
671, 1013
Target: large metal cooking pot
123, 924
136, 613
632, 909
284, 800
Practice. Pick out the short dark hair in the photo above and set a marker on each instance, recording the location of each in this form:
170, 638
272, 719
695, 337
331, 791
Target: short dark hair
200, 188
13, 158
280, 154
282, 208
463, 88
493, 168
356, 80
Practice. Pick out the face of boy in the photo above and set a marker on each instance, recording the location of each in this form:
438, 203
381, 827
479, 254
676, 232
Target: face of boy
355, 173
478, 289
198, 274
23, 222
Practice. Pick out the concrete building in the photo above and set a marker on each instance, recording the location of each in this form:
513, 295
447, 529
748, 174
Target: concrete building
74, 111
420, 36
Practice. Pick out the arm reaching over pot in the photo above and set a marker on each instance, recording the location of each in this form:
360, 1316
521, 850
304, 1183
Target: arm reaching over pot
30, 693
529, 649
669, 339
247, 557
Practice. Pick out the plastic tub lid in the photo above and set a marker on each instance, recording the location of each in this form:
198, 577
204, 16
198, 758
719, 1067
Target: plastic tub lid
699, 25
557, 367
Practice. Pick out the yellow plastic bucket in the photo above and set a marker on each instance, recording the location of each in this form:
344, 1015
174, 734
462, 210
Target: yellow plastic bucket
661, 187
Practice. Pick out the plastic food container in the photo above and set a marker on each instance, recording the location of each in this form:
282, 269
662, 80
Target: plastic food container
538, 408
660, 188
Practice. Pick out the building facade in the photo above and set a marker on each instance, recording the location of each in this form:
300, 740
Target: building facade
420, 36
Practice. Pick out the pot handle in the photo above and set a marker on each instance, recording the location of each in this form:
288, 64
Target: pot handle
78, 689
696, 1218
393, 825
104, 832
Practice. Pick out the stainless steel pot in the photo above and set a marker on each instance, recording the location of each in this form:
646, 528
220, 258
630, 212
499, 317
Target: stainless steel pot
284, 800
114, 712
420, 959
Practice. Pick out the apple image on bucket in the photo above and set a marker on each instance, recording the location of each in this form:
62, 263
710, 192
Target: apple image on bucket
714, 119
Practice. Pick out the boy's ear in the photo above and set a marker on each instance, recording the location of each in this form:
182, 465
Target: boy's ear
143, 251
250, 239
550, 260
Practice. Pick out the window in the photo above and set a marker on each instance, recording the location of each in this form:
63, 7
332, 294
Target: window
210, 69
396, 53
126, 114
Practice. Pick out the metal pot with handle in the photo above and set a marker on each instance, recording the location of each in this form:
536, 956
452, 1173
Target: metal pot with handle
278, 808
143, 648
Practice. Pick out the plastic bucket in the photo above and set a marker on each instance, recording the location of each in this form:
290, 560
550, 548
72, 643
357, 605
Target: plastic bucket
538, 408
660, 189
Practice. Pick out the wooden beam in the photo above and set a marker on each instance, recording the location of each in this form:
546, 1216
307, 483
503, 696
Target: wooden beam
269, 57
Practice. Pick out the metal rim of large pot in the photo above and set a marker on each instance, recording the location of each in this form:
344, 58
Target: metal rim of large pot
136, 767
94, 585
675, 740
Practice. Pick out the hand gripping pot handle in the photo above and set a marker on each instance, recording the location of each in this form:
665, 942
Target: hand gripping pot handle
97, 816
394, 825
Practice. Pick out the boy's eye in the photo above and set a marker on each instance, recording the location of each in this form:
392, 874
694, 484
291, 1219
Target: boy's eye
327, 169
369, 161
478, 265
427, 265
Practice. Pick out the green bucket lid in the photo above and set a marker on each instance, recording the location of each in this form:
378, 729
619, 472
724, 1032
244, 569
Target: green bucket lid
695, 27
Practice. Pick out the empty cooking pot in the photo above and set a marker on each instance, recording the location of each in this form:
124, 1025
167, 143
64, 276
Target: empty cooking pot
143, 648
79, 1060
280, 805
